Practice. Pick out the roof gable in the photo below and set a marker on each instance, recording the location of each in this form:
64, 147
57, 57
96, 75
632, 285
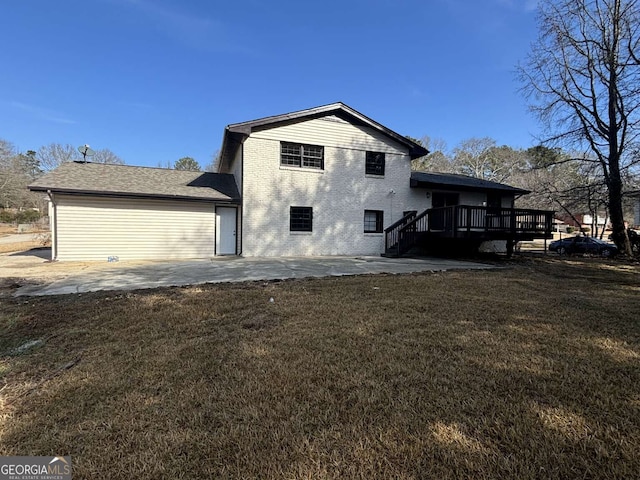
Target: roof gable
236, 131
125, 180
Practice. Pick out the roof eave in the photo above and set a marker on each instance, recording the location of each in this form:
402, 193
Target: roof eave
104, 193
466, 188
225, 156
246, 128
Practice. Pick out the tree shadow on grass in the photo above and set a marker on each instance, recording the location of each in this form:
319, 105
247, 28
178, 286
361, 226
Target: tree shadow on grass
450, 375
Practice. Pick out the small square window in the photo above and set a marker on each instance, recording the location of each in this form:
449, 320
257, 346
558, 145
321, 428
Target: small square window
301, 219
373, 220
374, 163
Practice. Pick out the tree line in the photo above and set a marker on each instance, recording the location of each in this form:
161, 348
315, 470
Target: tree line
558, 180
581, 78
19, 169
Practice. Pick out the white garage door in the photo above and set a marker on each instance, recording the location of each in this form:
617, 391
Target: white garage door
96, 228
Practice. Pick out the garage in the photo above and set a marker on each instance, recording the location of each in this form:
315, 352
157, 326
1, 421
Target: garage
116, 212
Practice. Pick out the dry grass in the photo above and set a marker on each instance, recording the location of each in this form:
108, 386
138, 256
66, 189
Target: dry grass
528, 372
20, 246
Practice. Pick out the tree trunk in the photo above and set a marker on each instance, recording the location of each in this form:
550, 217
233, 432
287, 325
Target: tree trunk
614, 179
616, 214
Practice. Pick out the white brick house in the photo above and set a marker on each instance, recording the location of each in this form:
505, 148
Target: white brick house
322, 181
311, 166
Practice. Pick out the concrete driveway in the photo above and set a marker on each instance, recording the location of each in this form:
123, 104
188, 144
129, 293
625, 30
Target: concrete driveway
19, 238
139, 275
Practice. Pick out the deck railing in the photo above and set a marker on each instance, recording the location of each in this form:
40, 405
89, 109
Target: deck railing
392, 232
460, 221
515, 221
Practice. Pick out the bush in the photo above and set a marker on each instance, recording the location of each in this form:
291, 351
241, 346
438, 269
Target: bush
585, 230
570, 229
6, 216
25, 216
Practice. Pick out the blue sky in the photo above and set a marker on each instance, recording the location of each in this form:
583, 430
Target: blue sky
156, 80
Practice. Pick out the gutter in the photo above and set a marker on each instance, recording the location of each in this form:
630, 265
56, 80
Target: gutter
53, 225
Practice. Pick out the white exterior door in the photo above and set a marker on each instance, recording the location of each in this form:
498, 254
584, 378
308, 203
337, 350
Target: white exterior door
226, 230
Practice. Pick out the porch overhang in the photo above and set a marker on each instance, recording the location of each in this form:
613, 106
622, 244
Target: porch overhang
454, 182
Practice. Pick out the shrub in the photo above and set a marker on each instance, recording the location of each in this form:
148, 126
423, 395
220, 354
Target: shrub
570, 229
585, 230
6, 216
27, 216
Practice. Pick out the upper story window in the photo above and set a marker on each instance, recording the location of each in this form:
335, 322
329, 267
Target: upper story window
299, 155
374, 163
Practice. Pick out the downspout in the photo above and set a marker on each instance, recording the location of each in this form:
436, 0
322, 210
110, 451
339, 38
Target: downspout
53, 225
241, 216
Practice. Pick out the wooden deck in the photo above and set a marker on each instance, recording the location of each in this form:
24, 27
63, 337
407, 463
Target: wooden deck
468, 222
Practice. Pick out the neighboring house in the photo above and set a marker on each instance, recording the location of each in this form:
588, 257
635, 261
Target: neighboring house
581, 220
322, 181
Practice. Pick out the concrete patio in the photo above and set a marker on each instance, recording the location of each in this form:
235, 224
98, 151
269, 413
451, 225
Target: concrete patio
140, 275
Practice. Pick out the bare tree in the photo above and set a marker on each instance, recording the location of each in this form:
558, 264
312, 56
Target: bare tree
583, 79
6, 149
17, 170
213, 164
7, 172
438, 158
52, 155
469, 157
106, 156
481, 158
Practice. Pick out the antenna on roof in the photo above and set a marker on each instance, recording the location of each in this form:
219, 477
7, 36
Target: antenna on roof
86, 152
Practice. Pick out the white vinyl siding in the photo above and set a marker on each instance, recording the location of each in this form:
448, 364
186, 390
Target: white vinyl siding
332, 132
96, 228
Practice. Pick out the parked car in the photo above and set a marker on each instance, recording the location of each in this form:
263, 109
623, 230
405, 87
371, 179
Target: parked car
581, 244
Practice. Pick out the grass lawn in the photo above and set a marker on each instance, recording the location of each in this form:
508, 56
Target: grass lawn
532, 371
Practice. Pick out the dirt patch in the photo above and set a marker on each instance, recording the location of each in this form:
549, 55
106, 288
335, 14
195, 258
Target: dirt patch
8, 285
11, 229
20, 246
34, 267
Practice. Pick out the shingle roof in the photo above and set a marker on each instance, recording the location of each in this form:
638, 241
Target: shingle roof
125, 180
452, 181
